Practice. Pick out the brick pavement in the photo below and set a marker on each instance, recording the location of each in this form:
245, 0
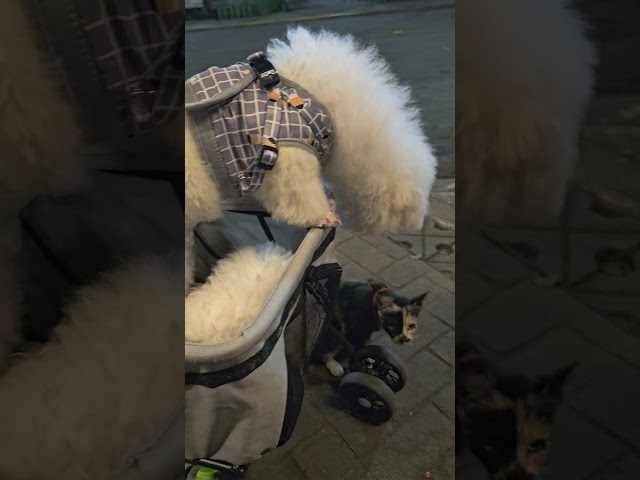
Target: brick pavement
592, 318
328, 443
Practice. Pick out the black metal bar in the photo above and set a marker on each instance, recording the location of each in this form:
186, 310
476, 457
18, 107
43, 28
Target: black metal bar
265, 228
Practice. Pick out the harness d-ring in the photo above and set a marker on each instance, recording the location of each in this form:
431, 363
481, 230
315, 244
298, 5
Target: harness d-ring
265, 71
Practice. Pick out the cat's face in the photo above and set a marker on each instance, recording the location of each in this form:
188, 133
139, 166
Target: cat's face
398, 314
506, 419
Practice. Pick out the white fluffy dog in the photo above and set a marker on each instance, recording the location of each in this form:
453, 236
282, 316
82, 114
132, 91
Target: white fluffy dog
523, 81
39, 143
382, 167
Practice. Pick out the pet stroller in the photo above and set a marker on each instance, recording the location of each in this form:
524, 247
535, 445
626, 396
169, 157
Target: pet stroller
244, 394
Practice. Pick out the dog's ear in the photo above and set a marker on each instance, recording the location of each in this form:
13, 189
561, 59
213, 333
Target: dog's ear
417, 301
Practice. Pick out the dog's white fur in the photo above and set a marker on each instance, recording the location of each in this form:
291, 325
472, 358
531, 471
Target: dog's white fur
231, 298
382, 168
523, 81
104, 388
39, 142
101, 391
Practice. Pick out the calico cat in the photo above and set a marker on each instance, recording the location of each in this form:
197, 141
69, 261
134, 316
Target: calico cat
362, 309
505, 419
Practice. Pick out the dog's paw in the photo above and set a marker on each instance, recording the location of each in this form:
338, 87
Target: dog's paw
330, 220
335, 368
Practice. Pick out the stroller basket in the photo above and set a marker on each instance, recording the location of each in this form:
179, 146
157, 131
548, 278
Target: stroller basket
243, 396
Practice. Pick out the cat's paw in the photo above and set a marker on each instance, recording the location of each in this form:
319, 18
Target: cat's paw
335, 368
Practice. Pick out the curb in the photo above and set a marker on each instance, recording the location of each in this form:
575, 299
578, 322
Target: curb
310, 18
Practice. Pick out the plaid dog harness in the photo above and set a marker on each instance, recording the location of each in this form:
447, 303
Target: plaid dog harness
121, 63
240, 116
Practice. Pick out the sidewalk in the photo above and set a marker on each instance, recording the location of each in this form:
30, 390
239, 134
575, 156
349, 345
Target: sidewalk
314, 10
593, 319
328, 443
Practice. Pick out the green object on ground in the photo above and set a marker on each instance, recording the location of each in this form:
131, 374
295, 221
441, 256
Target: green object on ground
247, 8
203, 473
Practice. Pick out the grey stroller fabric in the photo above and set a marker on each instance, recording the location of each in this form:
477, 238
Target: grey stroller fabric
241, 124
243, 396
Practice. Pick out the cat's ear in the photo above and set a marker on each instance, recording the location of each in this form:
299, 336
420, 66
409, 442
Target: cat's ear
376, 284
553, 384
417, 301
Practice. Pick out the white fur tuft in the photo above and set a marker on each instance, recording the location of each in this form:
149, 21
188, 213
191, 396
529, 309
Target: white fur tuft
234, 294
39, 137
94, 397
523, 80
383, 167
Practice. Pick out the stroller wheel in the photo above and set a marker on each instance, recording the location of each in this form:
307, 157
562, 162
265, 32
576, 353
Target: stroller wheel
368, 398
384, 364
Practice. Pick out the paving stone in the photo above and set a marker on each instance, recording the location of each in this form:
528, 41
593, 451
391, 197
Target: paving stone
481, 257
317, 455
622, 311
358, 436
602, 332
619, 273
445, 253
444, 347
417, 435
446, 269
441, 210
284, 467
433, 227
445, 197
342, 235
472, 291
612, 401
375, 240
355, 272
394, 250
342, 258
427, 373
559, 348
585, 215
544, 249
439, 248
445, 399
623, 468
578, 447
444, 185
365, 254
309, 421
404, 271
515, 316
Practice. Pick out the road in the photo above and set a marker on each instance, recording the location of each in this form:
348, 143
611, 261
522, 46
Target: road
422, 57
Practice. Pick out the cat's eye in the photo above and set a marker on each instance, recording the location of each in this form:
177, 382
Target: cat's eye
412, 326
537, 445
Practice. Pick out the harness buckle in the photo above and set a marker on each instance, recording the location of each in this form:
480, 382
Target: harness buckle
264, 69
